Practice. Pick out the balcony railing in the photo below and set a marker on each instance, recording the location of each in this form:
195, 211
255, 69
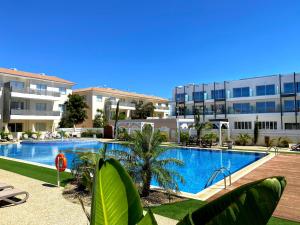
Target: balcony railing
162, 107
126, 104
25, 112
36, 92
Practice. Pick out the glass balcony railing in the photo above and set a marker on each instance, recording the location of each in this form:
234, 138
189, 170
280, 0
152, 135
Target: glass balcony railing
36, 92
26, 112
126, 104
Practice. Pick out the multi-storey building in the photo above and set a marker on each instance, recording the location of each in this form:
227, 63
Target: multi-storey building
95, 98
31, 101
272, 100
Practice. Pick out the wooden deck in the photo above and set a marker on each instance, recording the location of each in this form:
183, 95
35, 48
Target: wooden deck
287, 165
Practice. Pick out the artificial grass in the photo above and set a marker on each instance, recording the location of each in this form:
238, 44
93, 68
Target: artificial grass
179, 209
40, 173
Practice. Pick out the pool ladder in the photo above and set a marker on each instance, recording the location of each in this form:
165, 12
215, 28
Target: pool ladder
224, 171
275, 149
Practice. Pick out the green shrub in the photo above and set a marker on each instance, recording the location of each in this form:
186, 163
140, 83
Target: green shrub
164, 136
184, 137
123, 134
91, 133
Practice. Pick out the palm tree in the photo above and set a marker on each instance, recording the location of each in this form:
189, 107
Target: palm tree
144, 161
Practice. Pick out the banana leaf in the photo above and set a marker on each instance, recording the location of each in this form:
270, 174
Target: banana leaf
250, 204
115, 200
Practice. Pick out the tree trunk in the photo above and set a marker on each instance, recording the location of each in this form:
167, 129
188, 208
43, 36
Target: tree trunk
147, 175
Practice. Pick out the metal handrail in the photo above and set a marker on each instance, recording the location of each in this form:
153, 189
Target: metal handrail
214, 175
276, 150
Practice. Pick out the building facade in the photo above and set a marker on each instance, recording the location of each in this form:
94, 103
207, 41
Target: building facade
96, 97
273, 101
30, 101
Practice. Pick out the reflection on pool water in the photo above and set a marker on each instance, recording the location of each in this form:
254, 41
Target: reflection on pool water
199, 164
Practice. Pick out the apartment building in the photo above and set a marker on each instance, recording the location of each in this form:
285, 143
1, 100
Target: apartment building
95, 98
30, 101
272, 100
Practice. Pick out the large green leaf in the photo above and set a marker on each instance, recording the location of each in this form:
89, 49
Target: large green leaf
115, 200
148, 219
250, 204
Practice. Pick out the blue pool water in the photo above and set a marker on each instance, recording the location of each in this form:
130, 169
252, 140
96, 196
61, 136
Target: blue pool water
199, 164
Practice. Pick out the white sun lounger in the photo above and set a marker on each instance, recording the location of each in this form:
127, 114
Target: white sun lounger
5, 186
8, 194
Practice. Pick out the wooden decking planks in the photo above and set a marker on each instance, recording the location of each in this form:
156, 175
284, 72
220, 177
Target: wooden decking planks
287, 165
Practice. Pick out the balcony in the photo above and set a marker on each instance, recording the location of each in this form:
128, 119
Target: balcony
123, 105
35, 94
159, 107
34, 114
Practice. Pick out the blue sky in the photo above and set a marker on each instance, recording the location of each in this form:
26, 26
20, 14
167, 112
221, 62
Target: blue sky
150, 46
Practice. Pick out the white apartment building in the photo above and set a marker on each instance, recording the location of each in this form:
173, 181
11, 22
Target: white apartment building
30, 101
95, 98
273, 100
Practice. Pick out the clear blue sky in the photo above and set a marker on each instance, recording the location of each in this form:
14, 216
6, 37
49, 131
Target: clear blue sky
150, 46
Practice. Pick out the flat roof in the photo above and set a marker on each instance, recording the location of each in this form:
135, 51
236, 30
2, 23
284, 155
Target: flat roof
120, 93
34, 76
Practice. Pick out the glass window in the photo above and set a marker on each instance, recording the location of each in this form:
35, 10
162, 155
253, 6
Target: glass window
288, 105
41, 106
270, 89
180, 97
17, 85
198, 96
99, 98
265, 90
288, 88
63, 90
40, 126
15, 127
41, 87
265, 107
241, 92
17, 105
241, 107
218, 94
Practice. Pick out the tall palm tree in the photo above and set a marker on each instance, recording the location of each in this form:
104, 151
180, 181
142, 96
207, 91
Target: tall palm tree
145, 161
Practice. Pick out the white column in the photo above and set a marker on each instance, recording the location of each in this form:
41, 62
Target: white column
128, 113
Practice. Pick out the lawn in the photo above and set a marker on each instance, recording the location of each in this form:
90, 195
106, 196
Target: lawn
178, 210
36, 172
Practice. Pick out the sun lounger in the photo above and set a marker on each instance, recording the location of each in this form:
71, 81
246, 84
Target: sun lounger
9, 195
295, 147
5, 186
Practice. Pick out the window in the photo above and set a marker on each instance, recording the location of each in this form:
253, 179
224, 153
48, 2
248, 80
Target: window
40, 126
243, 125
99, 98
241, 92
292, 126
17, 105
267, 125
241, 107
41, 106
218, 94
220, 108
265, 90
41, 87
17, 85
62, 90
62, 107
289, 106
15, 127
288, 88
180, 97
198, 96
265, 107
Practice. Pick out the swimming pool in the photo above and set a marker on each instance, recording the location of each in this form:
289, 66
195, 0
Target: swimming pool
199, 164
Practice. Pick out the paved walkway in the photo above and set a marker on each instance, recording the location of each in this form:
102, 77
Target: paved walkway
45, 206
284, 165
